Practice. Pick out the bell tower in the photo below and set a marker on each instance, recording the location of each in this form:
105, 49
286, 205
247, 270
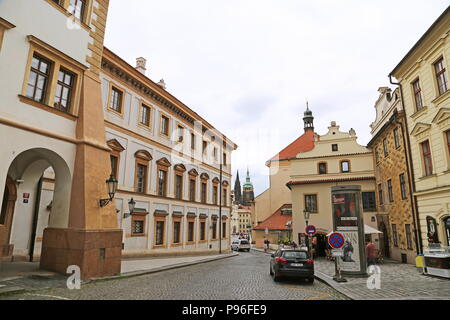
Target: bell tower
308, 119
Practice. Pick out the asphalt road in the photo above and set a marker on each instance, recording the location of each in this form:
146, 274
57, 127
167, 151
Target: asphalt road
244, 277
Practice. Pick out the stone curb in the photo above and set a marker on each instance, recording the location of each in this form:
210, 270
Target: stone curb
18, 290
322, 278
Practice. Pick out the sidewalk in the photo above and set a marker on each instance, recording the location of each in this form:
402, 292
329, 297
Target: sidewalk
25, 276
398, 282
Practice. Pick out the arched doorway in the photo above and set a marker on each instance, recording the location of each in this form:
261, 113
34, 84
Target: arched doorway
384, 245
24, 213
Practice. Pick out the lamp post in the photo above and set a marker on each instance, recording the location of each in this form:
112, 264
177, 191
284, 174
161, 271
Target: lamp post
131, 206
111, 184
306, 214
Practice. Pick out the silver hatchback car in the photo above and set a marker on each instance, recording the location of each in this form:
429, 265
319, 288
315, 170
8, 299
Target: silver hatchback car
241, 245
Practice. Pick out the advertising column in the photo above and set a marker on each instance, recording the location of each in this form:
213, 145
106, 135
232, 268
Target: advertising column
348, 220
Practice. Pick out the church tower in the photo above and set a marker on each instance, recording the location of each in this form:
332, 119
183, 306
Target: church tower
237, 190
308, 119
248, 194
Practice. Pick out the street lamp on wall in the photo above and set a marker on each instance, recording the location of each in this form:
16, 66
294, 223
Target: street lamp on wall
111, 184
131, 206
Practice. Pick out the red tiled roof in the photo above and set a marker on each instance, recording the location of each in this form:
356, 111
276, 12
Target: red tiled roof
276, 221
303, 144
292, 183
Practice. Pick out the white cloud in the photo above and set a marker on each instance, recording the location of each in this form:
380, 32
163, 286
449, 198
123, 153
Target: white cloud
248, 66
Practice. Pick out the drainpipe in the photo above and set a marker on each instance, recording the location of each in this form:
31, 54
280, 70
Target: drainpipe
410, 168
35, 218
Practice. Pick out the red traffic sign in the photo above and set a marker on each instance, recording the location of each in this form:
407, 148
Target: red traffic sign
336, 240
311, 230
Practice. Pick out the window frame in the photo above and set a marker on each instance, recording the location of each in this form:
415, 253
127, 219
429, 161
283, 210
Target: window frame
306, 203
179, 234
157, 221
397, 140
188, 233
380, 194
440, 73
417, 95
403, 191
143, 158
408, 233
394, 235
114, 87
138, 217
326, 167
4, 26
390, 191
342, 169
161, 133
192, 191
385, 148
143, 106
369, 208
427, 160
70, 87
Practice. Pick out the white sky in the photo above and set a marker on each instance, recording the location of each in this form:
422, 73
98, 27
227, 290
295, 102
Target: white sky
248, 66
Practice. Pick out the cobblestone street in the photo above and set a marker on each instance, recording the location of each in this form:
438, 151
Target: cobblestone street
244, 277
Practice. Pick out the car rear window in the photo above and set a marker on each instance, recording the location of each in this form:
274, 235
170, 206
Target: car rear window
244, 242
295, 255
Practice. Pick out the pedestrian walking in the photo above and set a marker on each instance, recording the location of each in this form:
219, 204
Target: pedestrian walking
371, 253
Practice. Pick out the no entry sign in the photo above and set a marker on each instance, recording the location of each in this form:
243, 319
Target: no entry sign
311, 230
336, 240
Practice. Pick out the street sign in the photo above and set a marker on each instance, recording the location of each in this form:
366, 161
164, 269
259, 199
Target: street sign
336, 240
311, 230
337, 253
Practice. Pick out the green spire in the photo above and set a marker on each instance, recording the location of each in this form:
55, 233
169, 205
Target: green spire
248, 183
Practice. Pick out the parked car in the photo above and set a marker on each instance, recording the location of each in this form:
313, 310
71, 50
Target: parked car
241, 244
292, 263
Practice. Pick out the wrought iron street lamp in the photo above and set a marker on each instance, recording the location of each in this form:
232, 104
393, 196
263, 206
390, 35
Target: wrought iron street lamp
111, 184
131, 206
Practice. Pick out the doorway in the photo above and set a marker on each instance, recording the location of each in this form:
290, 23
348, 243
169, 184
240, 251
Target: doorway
385, 240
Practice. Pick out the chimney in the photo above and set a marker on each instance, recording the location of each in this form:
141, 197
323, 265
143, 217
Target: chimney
140, 65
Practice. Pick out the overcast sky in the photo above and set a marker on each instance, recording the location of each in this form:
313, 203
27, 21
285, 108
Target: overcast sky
248, 66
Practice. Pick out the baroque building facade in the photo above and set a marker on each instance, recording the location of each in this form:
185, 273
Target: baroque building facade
82, 114
422, 77
396, 214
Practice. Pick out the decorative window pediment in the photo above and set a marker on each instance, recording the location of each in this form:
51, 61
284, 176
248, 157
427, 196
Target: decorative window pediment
204, 176
164, 162
225, 183
216, 180
193, 173
420, 128
442, 115
144, 155
115, 145
180, 167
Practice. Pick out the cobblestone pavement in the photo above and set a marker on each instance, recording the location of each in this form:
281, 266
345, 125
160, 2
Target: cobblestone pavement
244, 277
398, 282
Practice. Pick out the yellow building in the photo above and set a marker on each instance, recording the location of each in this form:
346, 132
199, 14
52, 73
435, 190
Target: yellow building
336, 160
423, 78
396, 216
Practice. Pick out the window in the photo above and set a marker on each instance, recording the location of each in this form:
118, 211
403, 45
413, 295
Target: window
380, 194
176, 231
322, 168
141, 178
114, 165
203, 230
215, 194
225, 202
205, 146
180, 133
192, 141
116, 100
203, 192
38, 79
145, 115
215, 153
162, 183
385, 147
178, 186
441, 76
345, 166
192, 190
377, 155
164, 125
417, 95
390, 193
311, 203
395, 235
77, 8
224, 230
408, 236
402, 186
334, 147
448, 140
137, 227
369, 203
426, 154
159, 235
64, 90
397, 138
224, 159
191, 231
214, 229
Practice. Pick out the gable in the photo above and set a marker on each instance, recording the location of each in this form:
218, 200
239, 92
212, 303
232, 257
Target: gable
420, 128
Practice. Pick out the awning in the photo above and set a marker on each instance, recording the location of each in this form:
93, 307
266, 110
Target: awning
367, 230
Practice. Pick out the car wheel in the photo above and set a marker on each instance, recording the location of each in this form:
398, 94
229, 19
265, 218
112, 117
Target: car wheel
311, 280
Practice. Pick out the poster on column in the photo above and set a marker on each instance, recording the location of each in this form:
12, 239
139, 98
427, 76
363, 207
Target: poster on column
350, 261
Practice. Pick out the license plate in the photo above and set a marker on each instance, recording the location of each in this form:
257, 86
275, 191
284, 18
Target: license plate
297, 264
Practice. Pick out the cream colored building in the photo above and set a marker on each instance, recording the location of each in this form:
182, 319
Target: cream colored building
423, 78
336, 160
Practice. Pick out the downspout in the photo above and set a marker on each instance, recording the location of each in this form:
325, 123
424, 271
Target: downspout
409, 165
